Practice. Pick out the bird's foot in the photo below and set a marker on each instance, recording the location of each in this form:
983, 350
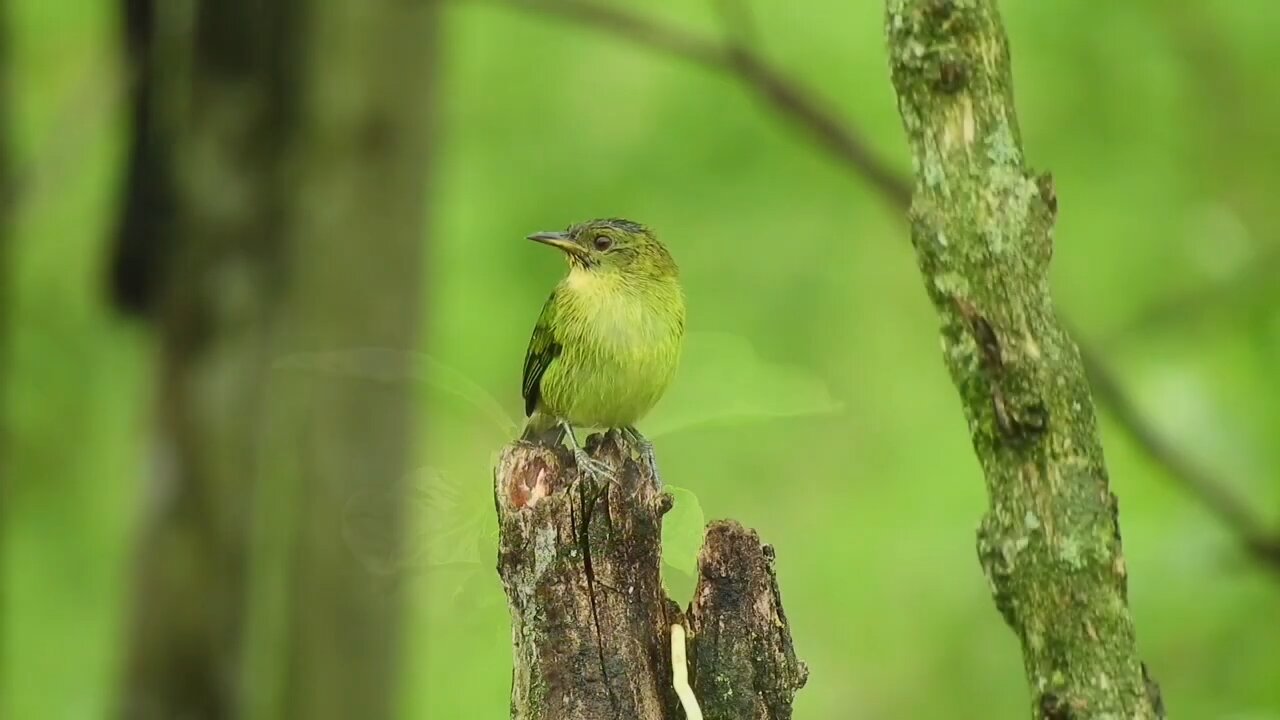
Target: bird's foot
647, 453
595, 469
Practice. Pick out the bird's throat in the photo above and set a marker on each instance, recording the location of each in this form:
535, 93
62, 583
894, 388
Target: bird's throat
625, 309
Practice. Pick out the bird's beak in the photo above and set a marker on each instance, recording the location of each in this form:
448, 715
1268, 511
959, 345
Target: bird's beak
558, 240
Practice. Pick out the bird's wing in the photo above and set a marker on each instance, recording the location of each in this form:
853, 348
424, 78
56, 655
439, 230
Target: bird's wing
543, 348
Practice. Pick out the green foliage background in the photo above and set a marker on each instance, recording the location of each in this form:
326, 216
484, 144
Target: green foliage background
1160, 121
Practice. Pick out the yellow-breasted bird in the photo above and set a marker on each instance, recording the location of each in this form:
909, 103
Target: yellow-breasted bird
608, 340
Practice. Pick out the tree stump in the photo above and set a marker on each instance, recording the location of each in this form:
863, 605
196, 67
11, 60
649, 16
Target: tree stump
581, 560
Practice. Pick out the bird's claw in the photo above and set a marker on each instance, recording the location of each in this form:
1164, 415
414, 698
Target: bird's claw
647, 453
597, 470
651, 458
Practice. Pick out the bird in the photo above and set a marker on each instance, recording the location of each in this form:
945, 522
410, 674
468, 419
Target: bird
607, 343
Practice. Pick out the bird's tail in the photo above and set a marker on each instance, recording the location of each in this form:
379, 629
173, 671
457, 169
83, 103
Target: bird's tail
542, 429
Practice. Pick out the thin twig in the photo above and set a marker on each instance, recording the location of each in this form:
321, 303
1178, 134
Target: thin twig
792, 102
638, 29
805, 110
1256, 277
1232, 510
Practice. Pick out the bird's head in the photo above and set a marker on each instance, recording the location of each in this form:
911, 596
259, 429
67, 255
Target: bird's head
612, 246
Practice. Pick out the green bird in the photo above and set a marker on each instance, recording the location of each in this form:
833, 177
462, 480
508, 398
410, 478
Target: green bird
608, 340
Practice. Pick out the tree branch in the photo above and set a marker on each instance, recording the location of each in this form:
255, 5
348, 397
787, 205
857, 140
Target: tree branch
1230, 509
783, 94
1256, 278
808, 112
982, 226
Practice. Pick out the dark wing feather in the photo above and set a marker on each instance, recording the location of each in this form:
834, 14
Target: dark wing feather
543, 348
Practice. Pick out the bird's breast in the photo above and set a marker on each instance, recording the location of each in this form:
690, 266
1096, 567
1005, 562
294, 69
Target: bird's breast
620, 350
626, 322
622, 317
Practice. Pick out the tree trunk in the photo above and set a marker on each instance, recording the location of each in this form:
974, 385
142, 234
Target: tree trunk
591, 623
8, 209
982, 227
202, 214
357, 235
275, 206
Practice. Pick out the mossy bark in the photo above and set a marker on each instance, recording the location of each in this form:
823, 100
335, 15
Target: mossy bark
982, 226
591, 624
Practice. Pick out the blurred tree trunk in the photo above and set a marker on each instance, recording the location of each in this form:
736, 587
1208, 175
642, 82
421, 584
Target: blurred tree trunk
8, 207
8, 210
274, 206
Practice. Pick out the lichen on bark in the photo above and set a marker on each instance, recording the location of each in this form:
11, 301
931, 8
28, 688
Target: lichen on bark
982, 227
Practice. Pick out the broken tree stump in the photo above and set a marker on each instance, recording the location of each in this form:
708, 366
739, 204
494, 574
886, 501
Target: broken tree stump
580, 562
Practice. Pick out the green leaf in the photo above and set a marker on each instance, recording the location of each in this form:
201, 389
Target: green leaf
722, 379
682, 530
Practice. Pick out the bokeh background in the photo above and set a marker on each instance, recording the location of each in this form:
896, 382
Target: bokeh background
1160, 121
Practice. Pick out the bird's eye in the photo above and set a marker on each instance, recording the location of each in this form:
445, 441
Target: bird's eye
603, 242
